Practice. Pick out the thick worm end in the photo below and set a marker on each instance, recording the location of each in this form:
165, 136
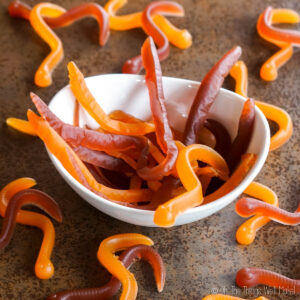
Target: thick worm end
42, 78
268, 72
245, 277
132, 66
103, 38
44, 268
245, 236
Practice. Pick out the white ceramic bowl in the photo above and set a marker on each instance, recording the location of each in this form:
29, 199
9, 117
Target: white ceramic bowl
129, 93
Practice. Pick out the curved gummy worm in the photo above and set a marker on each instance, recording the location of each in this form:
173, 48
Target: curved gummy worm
246, 233
43, 76
106, 256
282, 119
247, 207
247, 162
165, 215
44, 268
283, 38
223, 140
227, 297
135, 64
250, 277
128, 257
240, 74
26, 197
18, 9
178, 37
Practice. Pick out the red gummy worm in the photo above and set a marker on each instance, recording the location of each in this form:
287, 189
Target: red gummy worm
207, 93
164, 133
135, 64
25, 197
128, 257
244, 134
250, 277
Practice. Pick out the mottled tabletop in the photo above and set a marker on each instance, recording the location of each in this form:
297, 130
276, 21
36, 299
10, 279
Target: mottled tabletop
201, 257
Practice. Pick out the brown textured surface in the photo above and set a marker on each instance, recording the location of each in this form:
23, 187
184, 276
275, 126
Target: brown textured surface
199, 257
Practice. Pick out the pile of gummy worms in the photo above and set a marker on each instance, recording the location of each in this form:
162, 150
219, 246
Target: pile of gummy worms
163, 162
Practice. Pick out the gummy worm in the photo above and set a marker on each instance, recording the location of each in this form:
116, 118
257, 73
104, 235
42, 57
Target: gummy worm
44, 268
18, 9
282, 38
135, 64
179, 38
244, 134
128, 257
246, 207
43, 74
20, 125
166, 213
207, 93
240, 73
247, 162
250, 277
163, 131
106, 256
26, 197
89, 103
246, 233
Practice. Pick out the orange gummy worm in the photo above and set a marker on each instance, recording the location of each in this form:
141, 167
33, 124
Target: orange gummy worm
20, 125
247, 162
246, 233
62, 151
166, 213
178, 37
282, 119
281, 38
227, 297
19, 9
106, 256
43, 74
240, 73
89, 103
44, 268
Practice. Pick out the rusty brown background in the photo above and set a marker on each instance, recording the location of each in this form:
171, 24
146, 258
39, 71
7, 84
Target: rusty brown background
200, 257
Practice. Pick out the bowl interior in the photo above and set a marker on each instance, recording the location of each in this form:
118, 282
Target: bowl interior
129, 93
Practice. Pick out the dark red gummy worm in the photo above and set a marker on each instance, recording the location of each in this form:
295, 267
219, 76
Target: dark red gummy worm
135, 64
250, 277
128, 257
26, 197
207, 93
243, 138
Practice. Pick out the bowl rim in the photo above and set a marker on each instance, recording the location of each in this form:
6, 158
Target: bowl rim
208, 206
